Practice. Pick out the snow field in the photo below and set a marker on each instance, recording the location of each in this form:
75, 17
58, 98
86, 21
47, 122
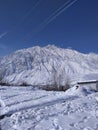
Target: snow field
42, 110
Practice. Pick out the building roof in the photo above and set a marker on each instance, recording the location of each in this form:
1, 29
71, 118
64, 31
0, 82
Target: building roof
88, 82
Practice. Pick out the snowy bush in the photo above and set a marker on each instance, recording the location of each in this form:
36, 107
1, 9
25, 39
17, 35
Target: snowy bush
1, 77
24, 84
3, 81
1, 74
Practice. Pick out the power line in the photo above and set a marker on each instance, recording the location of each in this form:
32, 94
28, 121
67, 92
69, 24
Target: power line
24, 16
45, 22
3, 34
29, 12
54, 15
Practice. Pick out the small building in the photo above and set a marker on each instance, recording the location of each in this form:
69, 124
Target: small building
92, 84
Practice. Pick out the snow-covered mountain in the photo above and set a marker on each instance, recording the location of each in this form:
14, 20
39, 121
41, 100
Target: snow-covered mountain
45, 65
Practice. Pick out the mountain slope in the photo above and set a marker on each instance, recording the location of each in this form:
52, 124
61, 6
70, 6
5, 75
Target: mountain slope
46, 65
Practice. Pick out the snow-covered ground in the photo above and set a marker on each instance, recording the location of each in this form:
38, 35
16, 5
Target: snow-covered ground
26, 108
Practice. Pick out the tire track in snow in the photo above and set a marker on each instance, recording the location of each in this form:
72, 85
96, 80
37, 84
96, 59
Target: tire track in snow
24, 100
37, 103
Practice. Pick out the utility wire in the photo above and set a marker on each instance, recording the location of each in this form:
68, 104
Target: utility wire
54, 15
47, 20
29, 12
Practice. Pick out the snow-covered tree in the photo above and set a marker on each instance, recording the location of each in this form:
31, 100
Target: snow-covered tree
61, 78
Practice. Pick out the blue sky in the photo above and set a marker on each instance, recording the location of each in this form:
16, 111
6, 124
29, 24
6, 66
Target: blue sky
65, 23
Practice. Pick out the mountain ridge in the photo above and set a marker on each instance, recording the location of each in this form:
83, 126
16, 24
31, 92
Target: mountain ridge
46, 65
